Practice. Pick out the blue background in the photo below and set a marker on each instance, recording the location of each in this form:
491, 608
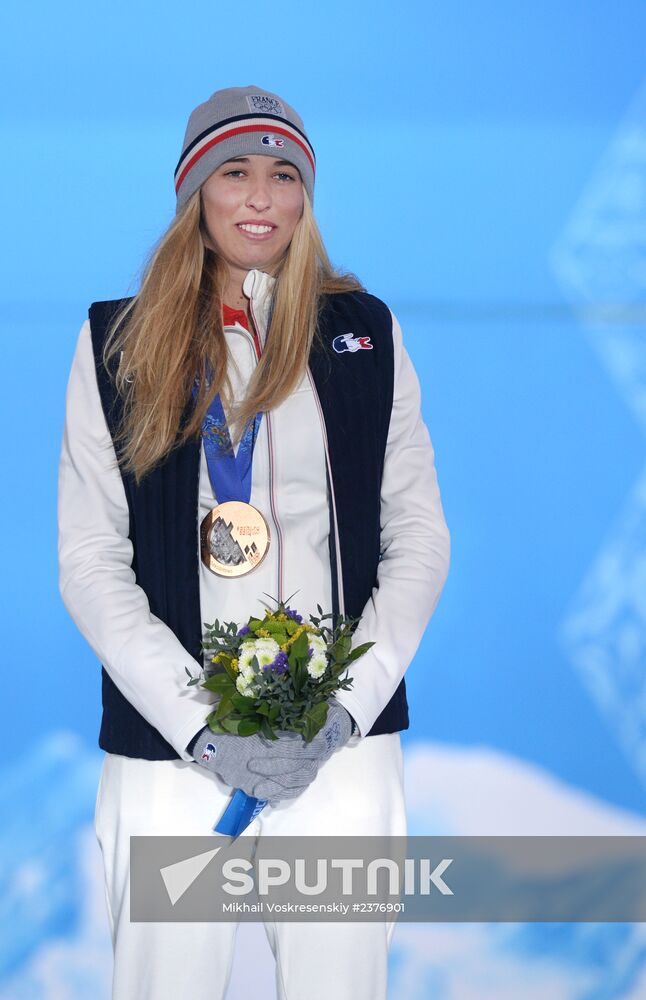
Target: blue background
479, 167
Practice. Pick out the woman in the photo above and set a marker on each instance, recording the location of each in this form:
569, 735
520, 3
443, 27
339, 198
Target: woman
239, 298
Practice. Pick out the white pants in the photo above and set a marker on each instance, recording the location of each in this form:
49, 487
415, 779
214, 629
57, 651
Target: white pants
358, 791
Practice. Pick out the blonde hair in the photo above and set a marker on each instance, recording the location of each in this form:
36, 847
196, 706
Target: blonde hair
172, 331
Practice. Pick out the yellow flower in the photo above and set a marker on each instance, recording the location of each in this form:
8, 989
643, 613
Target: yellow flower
264, 632
294, 637
234, 665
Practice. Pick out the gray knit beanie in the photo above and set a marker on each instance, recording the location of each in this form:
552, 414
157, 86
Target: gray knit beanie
241, 121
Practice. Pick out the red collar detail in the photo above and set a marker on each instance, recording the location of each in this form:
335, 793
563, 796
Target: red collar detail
231, 316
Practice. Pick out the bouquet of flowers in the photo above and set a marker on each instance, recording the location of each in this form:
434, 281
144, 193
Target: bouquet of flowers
274, 673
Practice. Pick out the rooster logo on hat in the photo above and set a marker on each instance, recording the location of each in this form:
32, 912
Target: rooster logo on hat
272, 140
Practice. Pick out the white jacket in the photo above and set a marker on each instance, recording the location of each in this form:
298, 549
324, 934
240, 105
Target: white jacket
141, 654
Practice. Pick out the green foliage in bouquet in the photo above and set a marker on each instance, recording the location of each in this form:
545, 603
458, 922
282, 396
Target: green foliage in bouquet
277, 672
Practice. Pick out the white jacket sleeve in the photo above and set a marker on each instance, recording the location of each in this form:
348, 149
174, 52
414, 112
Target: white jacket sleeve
141, 654
415, 553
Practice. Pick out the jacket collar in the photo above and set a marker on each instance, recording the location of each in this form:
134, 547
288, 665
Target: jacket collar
258, 287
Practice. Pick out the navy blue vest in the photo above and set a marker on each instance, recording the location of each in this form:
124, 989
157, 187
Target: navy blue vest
356, 393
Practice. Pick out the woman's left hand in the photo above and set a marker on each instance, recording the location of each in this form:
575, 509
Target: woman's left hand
335, 733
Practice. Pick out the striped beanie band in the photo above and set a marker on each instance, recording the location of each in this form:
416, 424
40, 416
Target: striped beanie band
241, 121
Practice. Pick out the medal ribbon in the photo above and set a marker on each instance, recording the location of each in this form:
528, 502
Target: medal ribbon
230, 473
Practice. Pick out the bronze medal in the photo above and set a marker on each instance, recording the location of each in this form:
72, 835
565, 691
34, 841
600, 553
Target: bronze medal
234, 538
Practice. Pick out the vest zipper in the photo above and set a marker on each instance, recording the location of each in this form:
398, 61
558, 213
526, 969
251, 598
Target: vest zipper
337, 544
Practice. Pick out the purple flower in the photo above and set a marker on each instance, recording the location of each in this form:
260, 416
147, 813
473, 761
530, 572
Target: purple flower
244, 630
279, 665
294, 615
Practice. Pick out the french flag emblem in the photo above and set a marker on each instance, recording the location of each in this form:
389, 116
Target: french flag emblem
348, 342
272, 140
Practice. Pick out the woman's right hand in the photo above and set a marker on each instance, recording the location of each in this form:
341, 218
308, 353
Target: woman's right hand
267, 769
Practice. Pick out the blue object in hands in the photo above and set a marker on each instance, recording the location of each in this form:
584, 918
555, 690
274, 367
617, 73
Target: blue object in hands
240, 812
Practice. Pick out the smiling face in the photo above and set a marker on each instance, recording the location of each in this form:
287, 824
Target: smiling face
251, 205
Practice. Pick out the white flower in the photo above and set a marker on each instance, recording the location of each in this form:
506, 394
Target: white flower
317, 644
243, 685
246, 654
316, 665
265, 650
248, 675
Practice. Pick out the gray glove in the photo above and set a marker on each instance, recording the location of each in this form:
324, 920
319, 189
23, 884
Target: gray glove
336, 732
339, 727
267, 769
